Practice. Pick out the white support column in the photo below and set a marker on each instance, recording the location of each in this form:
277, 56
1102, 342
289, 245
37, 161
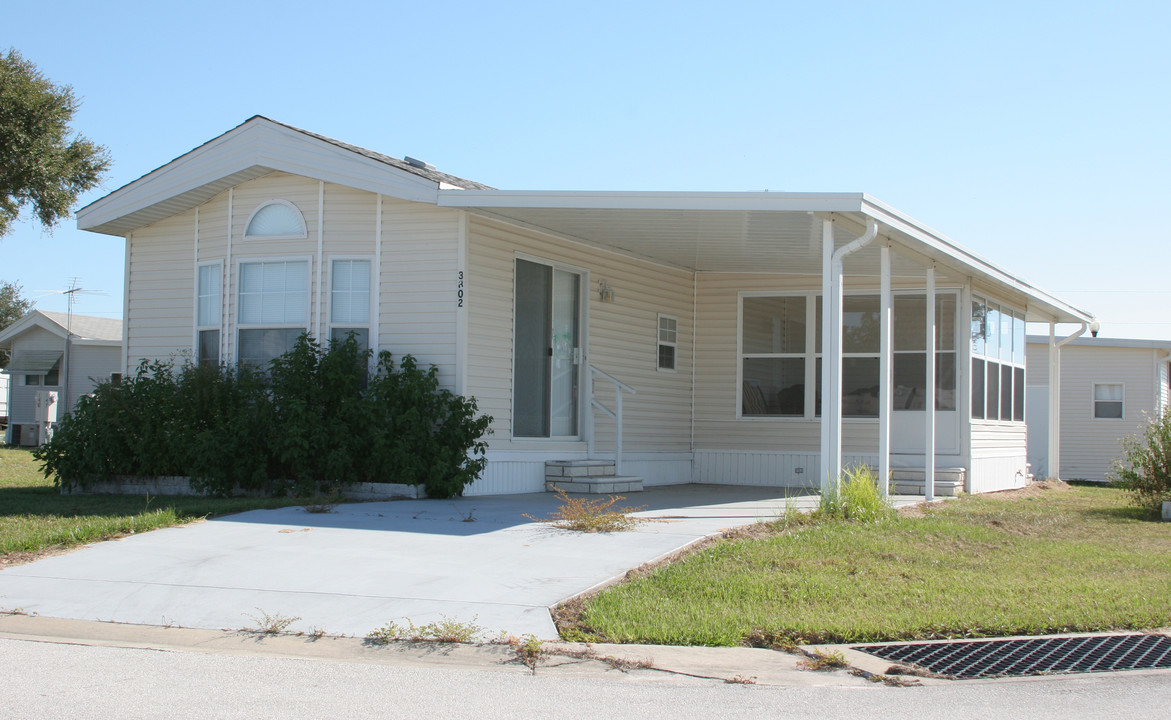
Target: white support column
317, 293
830, 468
376, 288
1054, 463
885, 323
929, 404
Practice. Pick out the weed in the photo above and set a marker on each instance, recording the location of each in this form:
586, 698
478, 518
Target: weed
819, 659
856, 497
741, 680
586, 515
324, 503
469, 516
775, 640
273, 624
444, 630
528, 648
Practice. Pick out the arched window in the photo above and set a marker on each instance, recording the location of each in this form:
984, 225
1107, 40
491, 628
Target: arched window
276, 218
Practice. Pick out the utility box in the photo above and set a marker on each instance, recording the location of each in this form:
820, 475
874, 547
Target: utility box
46, 406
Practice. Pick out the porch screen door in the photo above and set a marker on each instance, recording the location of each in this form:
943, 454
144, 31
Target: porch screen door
546, 351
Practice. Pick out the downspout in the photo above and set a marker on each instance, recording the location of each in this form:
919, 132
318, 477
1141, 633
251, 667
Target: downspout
831, 393
1159, 363
1054, 469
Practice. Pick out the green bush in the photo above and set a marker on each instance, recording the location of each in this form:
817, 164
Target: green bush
1145, 466
315, 422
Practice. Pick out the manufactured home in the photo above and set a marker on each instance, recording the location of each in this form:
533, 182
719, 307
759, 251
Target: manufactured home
663, 337
1108, 389
65, 353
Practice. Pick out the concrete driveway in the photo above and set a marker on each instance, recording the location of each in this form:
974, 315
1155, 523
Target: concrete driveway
350, 571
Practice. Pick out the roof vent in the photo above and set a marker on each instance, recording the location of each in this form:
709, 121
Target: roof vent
415, 162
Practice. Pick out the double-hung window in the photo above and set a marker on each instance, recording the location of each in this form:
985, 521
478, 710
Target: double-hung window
1108, 398
668, 342
207, 313
273, 309
349, 301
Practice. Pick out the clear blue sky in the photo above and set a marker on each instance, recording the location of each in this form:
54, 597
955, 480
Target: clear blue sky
1038, 134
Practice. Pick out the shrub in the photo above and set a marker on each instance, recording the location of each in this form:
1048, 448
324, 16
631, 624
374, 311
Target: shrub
586, 515
313, 423
1145, 466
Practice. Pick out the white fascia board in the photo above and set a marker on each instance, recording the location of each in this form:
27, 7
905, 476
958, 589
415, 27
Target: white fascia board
96, 343
978, 266
602, 200
1133, 343
259, 146
33, 319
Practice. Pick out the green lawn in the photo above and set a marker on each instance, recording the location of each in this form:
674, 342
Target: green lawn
35, 517
1062, 560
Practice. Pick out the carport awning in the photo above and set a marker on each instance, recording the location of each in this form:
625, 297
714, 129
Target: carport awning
34, 363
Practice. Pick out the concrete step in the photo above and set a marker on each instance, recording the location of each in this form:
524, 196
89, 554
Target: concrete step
596, 484
578, 468
909, 481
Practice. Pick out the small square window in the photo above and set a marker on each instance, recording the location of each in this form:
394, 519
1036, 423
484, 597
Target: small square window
668, 337
1108, 399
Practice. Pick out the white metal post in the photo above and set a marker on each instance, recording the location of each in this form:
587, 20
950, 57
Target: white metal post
618, 436
885, 321
929, 403
828, 467
1054, 463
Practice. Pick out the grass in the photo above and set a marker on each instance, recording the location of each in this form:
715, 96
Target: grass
35, 517
1065, 559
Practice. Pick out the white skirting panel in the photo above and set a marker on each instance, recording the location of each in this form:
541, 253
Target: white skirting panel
671, 470
509, 477
998, 473
744, 467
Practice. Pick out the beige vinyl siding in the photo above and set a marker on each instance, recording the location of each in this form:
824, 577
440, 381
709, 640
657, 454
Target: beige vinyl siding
159, 304
1036, 365
418, 284
622, 335
213, 228
1089, 444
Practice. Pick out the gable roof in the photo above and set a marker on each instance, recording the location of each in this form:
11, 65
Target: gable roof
257, 147
86, 329
701, 232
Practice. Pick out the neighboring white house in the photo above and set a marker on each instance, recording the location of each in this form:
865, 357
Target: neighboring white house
704, 310
42, 359
1108, 389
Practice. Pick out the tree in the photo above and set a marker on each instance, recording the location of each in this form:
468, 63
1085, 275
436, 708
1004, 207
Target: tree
12, 308
40, 164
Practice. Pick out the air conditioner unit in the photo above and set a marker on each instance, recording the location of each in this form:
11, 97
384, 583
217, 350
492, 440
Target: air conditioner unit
30, 434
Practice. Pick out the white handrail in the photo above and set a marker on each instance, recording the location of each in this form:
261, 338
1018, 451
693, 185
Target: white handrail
616, 414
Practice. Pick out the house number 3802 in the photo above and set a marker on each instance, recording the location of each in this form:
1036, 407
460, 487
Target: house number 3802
459, 290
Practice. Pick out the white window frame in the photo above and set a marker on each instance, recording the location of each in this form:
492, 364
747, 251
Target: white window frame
665, 343
310, 290
219, 299
304, 233
1013, 361
813, 354
1094, 401
330, 324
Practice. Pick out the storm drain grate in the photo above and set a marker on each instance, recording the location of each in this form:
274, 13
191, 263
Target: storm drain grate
985, 658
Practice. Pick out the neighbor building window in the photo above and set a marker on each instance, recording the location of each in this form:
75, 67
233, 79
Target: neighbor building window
998, 362
1108, 401
207, 313
668, 342
276, 219
349, 301
273, 309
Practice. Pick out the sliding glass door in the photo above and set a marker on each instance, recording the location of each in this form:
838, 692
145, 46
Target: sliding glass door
546, 351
